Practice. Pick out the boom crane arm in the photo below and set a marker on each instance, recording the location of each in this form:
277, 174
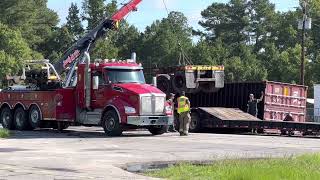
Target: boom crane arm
78, 51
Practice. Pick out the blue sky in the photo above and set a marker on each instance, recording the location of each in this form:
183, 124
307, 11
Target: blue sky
151, 10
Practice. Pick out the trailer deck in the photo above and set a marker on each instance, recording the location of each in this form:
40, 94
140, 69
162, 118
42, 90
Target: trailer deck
213, 118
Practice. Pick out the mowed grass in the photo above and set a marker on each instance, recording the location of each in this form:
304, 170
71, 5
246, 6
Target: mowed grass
4, 133
294, 168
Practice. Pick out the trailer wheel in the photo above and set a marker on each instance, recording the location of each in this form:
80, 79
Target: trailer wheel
34, 117
163, 83
110, 123
179, 82
7, 119
157, 130
195, 124
20, 119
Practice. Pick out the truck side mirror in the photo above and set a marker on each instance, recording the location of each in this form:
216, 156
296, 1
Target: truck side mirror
95, 85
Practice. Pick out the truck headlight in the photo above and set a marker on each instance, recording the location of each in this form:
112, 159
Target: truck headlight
129, 110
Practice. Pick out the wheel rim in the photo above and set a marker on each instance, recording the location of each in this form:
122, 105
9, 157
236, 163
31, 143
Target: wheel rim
110, 124
34, 116
5, 118
19, 119
194, 122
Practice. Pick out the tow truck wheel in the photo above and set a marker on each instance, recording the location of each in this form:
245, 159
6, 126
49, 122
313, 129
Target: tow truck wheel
20, 119
7, 119
110, 123
195, 124
157, 130
34, 117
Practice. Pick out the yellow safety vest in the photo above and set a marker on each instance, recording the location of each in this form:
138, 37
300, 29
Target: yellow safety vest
182, 105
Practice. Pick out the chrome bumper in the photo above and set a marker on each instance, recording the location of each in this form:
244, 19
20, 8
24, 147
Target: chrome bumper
150, 120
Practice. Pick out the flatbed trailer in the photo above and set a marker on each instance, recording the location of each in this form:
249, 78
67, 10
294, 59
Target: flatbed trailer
211, 118
226, 109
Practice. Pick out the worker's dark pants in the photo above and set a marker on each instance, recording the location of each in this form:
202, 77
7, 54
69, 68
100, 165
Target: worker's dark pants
184, 121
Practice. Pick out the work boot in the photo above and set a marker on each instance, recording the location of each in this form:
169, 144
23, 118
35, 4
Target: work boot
181, 133
185, 134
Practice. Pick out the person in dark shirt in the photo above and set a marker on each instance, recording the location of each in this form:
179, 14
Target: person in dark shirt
253, 104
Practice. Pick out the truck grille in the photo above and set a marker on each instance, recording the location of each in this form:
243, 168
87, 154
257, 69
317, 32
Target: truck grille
152, 104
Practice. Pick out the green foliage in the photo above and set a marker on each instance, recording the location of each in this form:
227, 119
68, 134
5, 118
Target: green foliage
94, 11
74, 25
293, 168
105, 49
31, 17
4, 133
58, 42
13, 50
161, 42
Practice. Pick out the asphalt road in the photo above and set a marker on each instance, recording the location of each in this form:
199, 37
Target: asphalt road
86, 153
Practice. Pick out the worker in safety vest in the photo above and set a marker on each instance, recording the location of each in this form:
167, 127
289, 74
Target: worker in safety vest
184, 114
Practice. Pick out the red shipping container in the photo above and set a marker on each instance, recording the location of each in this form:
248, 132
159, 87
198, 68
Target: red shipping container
281, 99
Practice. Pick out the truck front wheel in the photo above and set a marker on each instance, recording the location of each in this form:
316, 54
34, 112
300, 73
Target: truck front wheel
157, 130
21, 119
6, 118
110, 123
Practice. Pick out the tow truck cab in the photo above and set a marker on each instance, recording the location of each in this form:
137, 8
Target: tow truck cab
121, 99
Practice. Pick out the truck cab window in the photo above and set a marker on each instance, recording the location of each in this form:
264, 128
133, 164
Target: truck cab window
125, 76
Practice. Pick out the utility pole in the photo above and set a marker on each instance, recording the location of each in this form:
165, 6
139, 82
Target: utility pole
302, 70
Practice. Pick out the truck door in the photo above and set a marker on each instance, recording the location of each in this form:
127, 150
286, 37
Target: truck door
98, 95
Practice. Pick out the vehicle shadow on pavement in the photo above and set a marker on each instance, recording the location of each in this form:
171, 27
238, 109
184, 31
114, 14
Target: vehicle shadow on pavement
92, 133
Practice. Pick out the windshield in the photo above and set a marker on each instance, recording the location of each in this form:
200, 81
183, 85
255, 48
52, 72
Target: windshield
126, 76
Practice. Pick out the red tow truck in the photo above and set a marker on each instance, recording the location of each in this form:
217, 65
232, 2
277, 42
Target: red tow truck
108, 93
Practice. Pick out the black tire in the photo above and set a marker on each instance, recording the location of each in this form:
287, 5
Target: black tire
21, 119
157, 130
163, 83
34, 117
7, 118
179, 82
110, 123
195, 124
260, 131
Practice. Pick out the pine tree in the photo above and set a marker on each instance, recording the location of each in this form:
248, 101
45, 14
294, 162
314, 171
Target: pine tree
94, 11
74, 25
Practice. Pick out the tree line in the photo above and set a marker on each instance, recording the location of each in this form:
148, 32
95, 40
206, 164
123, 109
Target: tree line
251, 39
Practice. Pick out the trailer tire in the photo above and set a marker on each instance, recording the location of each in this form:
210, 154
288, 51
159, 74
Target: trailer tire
157, 130
163, 83
7, 118
179, 82
195, 124
21, 119
34, 117
110, 123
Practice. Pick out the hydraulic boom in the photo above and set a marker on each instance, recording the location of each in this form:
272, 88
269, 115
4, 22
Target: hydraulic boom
76, 53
